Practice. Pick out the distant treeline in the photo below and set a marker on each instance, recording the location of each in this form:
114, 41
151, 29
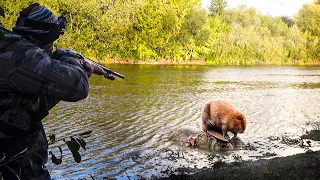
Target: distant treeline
181, 30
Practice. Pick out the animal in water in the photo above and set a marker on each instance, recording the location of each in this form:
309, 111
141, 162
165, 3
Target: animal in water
221, 116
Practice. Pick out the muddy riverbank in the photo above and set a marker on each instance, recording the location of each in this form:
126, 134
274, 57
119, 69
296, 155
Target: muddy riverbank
304, 166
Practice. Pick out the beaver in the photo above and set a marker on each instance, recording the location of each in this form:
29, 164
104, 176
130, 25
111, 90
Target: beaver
221, 116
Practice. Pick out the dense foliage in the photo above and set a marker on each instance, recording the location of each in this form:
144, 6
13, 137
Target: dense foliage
180, 30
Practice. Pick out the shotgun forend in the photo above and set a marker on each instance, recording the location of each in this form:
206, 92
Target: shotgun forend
109, 73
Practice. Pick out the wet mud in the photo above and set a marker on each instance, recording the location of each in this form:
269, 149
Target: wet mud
304, 166
301, 166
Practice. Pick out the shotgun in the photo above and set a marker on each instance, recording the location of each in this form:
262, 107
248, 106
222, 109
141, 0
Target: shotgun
108, 73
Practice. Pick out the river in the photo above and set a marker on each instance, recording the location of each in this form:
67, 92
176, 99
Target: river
133, 120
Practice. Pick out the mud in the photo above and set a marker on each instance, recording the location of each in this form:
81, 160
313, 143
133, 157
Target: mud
304, 166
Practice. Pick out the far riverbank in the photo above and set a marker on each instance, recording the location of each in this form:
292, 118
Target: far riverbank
199, 62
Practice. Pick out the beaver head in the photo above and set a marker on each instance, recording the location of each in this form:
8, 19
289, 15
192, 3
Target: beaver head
237, 123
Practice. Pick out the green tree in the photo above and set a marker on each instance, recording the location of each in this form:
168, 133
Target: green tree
287, 20
180, 30
245, 16
12, 9
245, 36
308, 20
194, 33
217, 7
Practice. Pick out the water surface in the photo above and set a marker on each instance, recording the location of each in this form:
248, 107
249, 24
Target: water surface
134, 119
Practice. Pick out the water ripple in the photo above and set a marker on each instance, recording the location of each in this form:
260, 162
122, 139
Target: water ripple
133, 121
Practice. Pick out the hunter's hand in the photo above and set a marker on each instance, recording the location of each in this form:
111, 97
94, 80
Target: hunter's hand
87, 65
90, 68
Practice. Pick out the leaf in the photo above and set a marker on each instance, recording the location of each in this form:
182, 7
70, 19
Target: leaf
75, 144
52, 137
82, 143
54, 159
72, 145
60, 151
76, 156
86, 133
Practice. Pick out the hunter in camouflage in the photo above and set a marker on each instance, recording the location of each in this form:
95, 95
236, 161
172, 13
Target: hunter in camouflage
32, 81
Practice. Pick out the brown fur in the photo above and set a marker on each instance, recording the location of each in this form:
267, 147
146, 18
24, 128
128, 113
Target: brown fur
224, 117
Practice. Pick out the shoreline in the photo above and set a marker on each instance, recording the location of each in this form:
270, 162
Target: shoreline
196, 62
304, 166
159, 62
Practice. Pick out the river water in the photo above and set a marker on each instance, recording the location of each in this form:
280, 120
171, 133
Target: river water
134, 120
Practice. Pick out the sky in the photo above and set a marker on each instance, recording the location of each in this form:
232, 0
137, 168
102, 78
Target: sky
273, 7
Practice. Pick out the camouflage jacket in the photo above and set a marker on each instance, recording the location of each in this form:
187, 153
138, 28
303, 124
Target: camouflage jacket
32, 82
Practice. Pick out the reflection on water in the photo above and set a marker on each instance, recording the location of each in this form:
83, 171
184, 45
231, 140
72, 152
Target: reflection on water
134, 119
